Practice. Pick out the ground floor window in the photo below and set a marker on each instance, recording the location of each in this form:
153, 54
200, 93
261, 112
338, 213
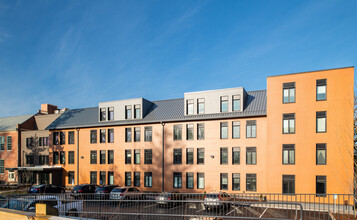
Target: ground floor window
110, 178
11, 176
289, 184
148, 179
137, 179
200, 180
127, 178
102, 178
320, 185
189, 180
2, 166
71, 177
251, 181
224, 181
93, 177
236, 181
177, 180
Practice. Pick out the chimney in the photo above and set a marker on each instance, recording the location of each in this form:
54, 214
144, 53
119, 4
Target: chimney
48, 109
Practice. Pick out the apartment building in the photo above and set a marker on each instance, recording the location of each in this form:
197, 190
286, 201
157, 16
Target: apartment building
24, 144
294, 137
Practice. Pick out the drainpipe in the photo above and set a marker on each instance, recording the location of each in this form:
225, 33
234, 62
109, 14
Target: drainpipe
163, 157
77, 155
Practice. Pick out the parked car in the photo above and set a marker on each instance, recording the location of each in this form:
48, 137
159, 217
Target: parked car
102, 192
217, 200
169, 198
84, 191
3, 200
125, 193
46, 188
28, 204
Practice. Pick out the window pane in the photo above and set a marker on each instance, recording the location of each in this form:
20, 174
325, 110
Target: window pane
292, 95
291, 125
321, 124
254, 131
201, 108
200, 181
286, 95
291, 156
321, 92
236, 105
286, 126
321, 156
189, 132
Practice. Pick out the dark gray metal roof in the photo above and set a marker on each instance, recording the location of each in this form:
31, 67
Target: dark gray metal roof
10, 123
161, 111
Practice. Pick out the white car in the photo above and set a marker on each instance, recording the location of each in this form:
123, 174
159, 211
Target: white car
28, 204
127, 193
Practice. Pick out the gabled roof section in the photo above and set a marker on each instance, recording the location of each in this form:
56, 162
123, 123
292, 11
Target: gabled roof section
10, 123
161, 111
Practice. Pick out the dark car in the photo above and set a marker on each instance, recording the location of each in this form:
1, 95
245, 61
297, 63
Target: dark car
84, 191
102, 192
46, 188
3, 200
169, 198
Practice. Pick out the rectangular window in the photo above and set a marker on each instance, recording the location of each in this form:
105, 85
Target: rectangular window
9, 142
200, 180
110, 178
55, 157
289, 92
110, 114
93, 136
46, 141
93, 177
148, 179
189, 180
63, 157
224, 181
110, 156
136, 134
200, 106
148, 156
137, 156
200, 131
148, 133
102, 135
40, 141
320, 154
102, 178
70, 137
2, 142
177, 180
102, 114
235, 181
200, 155
71, 177
321, 89
177, 156
251, 182
93, 157
224, 103
189, 107
320, 122
29, 142
288, 154
177, 132
320, 185
189, 132
236, 129
127, 178
111, 135
30, 159
127, 156
288, 184
251, 128
224, 155
70, 157
127, 134
236, 103
63, 138
189, 156
102, 157
43, 159
56, 138
236, 155
289, 123
2, 166
137, 112
137, 179
128, 112
251, 155
224, 130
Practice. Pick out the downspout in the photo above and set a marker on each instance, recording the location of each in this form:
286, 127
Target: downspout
163, 157
77, 155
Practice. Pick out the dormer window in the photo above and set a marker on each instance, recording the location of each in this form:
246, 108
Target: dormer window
102, 114
190, 107
224, 103
236, 103
137, 111
110, 113
200, 106
128, 112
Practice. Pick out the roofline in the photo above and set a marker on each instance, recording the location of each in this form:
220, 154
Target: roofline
287, 74
161, 121
211, 90
17, 116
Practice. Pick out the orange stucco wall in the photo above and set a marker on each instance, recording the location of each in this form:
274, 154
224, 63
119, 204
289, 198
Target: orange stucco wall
338, 138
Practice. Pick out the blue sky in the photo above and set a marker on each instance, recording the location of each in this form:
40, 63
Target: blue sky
75, 54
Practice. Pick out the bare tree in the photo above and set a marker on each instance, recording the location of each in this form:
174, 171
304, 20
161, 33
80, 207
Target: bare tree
35, 149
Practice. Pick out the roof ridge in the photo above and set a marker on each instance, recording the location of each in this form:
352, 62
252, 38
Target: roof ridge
16, 116
166, 100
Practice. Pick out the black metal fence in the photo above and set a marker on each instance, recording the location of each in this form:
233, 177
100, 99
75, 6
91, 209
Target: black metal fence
189, 206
